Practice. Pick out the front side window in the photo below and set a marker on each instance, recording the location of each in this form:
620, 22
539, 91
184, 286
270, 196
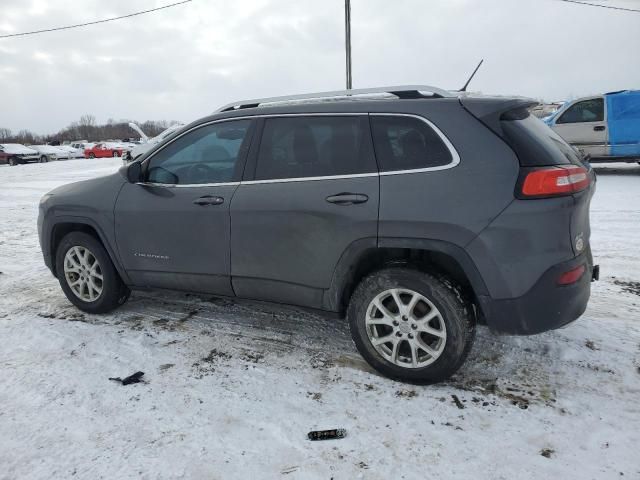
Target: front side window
585, 111
208, 154
314, 146
407, 143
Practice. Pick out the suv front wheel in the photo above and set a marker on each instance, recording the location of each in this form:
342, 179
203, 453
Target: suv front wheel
410, 325
87, 275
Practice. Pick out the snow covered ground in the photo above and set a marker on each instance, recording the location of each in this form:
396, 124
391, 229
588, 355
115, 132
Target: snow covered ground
233, 387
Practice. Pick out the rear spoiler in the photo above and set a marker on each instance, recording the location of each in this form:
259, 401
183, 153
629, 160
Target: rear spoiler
490, 110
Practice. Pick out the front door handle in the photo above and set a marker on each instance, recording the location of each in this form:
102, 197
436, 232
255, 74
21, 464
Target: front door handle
347, 198
209, 200
599, 128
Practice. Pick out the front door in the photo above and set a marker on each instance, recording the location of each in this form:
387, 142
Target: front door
173, 228
584, 126
312, 191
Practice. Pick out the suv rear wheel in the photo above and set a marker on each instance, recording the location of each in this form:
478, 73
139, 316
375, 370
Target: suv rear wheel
87, 275
410, 325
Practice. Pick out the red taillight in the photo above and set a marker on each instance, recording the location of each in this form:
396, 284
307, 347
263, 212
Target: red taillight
552, 181
572, 276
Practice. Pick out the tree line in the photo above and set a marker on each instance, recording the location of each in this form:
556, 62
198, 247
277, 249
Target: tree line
86, 129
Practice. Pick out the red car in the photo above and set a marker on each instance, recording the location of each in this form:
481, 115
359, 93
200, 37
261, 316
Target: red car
102, 150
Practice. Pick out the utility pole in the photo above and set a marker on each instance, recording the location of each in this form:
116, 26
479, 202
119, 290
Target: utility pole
347, 31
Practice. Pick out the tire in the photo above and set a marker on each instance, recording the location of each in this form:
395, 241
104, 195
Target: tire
453, 322
116, 154
113, 292
92, 155
44, 159
13, 162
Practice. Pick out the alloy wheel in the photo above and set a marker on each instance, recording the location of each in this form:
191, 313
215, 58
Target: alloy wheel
405, 328
83, 274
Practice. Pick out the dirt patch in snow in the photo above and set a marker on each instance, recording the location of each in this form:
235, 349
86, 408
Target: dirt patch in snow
628, 286
520, 395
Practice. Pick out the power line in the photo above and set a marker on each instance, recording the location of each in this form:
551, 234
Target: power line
22, 34
611, 7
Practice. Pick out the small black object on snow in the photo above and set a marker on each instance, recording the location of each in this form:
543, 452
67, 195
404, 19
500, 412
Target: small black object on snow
327, 434
135, 378
457, 401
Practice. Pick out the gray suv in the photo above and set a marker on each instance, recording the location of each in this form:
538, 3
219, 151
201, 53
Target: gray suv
414, 212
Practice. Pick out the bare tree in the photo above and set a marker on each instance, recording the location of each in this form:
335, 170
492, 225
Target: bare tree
5, 134
86, 126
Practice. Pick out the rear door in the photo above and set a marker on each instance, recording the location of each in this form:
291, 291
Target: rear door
311, 191
173, 228
583, 124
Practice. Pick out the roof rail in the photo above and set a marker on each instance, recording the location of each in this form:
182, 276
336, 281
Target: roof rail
401, 91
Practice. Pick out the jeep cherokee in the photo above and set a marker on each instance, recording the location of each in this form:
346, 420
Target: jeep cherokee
414, 212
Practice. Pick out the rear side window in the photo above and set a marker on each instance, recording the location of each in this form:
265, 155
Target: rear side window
314, 146
407, 143
585, 111
534, 142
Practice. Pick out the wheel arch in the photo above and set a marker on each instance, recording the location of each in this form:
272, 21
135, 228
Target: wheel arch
66, 225
366, 256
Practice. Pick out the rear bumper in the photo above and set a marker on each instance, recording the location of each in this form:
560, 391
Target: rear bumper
546, 306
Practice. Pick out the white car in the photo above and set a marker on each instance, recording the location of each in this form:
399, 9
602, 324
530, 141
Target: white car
73, 152
50, 153
83, 145
148, 143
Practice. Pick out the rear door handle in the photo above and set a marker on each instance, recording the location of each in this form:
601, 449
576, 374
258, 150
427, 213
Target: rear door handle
599, 128
347, 198
209, 200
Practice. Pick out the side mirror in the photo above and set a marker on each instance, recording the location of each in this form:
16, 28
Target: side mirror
134, 172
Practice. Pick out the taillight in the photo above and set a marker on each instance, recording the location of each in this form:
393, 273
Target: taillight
554, 181
572, 276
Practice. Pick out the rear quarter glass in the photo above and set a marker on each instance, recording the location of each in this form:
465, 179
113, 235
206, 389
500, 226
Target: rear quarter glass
535, 144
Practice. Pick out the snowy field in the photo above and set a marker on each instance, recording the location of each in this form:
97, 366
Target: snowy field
233, 387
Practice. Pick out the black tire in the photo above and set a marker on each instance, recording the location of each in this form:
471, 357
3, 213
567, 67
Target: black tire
92, 155
455, 311
114, 291
13, 161
44, 159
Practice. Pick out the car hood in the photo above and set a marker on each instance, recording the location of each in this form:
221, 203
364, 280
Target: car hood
86, 188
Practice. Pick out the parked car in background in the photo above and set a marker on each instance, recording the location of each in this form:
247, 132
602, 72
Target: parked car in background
148, 143
82, 145
103, 150
49, 153
16, 154
544, 110
604, 127
120, 144
73, 152
416, 217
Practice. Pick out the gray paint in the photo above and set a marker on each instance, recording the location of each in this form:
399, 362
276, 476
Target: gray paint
288, 232
165, 239
282, 241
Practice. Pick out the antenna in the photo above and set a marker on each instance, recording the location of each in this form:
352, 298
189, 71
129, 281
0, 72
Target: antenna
464, 89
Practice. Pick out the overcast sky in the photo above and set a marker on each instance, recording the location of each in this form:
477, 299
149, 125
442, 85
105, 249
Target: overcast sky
182, 63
